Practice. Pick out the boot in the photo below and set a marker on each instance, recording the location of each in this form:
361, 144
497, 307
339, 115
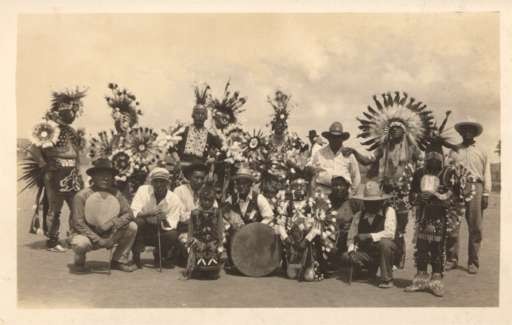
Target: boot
419, 283
136, 259
436, 285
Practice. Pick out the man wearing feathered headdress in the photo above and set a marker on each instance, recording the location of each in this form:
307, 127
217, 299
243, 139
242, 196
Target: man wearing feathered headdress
53, 165
283, 145
197, 142
395, 133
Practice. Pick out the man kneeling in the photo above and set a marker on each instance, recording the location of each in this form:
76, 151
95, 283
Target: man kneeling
154, 206
102, 218
370, 238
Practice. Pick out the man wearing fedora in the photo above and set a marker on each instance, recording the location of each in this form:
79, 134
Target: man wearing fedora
154, 205
330, 160
120, 230
370, 237
472, 157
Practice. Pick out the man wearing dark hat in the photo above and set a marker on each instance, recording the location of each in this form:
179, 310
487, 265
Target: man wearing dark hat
154, 205
474, 158
98, 229
370, 238
330, 160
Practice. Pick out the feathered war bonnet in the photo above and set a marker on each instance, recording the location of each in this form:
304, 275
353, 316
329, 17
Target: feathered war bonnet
398, 110
124, 106
280, 105
64, 100
231, 104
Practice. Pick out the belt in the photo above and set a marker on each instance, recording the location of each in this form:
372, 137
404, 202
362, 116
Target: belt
65, 162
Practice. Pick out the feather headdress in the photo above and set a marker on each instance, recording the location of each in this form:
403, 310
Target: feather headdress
398, 110
231, 104
67, 99
280, 105
124, 105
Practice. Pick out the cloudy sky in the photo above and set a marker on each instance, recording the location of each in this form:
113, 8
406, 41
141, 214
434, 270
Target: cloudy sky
331, 64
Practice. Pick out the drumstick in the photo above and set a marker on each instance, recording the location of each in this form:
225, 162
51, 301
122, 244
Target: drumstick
109, 252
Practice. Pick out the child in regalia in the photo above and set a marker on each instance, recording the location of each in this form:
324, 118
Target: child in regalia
438, 193
205, 233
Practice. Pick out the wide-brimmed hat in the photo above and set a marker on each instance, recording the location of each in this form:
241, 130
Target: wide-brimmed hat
312, 134
336, 130
469, 123
101, 164
372, 192
245, 172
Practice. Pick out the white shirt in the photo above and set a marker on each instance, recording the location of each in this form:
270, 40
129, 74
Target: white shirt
189, 200
475, 160
332, 164
145, 201
388, 232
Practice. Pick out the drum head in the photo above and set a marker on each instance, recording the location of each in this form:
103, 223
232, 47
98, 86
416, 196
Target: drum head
255, 250
100, 207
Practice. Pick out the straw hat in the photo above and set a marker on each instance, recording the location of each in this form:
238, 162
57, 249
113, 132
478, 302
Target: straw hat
469, 123
372, 192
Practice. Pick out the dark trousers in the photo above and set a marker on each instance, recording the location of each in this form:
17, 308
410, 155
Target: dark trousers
55, 202
375, 255
147, 235
429, 252
474, 216
402, 218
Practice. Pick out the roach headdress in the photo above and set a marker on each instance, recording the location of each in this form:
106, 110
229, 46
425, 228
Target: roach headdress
67, 99
280, 105
231, 104
395, 110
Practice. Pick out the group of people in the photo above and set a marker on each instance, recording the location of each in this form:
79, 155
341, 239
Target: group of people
189, 190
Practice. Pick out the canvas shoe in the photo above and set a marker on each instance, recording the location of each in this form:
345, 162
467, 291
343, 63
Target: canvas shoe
57, 249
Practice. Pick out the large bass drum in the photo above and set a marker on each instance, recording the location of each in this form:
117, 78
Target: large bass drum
255, 250
101, 207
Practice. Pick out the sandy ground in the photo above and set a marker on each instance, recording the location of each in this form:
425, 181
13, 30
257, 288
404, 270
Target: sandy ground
45, 281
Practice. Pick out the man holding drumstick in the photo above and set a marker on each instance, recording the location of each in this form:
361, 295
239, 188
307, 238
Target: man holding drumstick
102, 231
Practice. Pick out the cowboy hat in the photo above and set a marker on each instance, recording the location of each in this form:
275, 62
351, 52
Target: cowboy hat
372, 192
101, 164
312, 134
470, 123
336, 130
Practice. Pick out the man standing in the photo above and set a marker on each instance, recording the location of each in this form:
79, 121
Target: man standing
197, 141
94, 228
154, 205
473, 158
58, 160
330, 160
370, 238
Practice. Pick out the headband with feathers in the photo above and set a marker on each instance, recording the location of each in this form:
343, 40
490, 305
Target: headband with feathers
203, 97
398, 110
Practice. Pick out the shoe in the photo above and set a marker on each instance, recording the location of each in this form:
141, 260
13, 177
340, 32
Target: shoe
436, 286
114, 265
57, 249
472, 269
386, 284
419, 283
450, 265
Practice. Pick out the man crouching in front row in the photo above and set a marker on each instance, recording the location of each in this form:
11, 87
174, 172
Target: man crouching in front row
102, 218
